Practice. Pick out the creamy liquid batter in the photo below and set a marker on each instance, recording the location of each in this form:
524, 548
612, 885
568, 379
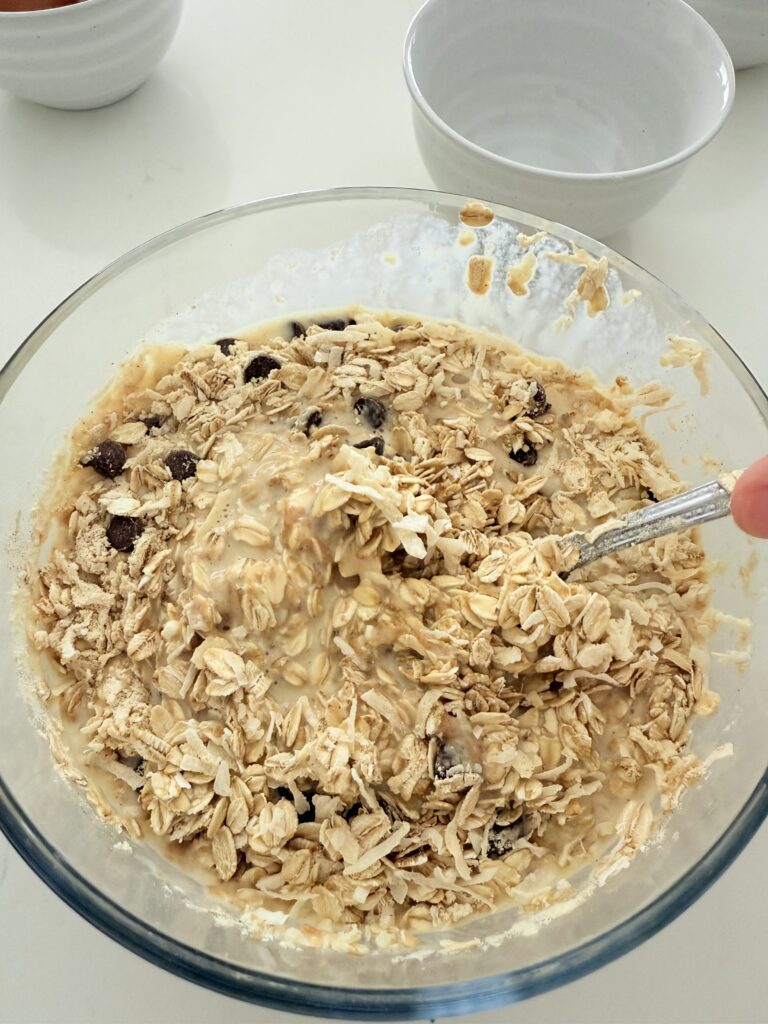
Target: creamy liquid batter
307, 612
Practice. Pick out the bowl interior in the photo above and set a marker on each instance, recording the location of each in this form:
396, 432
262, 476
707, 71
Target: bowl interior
598, 86
396, 249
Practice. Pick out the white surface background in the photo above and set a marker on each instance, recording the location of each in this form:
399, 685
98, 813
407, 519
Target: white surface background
257, 98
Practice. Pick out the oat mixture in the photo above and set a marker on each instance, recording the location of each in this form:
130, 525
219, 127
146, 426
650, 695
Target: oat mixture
305, 604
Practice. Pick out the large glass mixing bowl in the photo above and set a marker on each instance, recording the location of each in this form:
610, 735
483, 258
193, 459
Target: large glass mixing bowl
401, 249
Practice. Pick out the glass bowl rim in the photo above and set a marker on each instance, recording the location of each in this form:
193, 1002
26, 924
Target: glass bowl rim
337, 1001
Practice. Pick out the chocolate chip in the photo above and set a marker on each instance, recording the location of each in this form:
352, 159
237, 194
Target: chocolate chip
651, 496
538, 403
377, 443
309, 815
107, 458
298, 330
502, 839
135, 763
123, 532
393, 562
313, 420
181, 463
448, 756
372, 411
442, 764
226, 344
352, 812
336, 325
526, 455
151, 422
259, 367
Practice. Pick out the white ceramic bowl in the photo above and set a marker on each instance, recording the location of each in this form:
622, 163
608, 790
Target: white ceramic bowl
742, 25
583, 112
87, 55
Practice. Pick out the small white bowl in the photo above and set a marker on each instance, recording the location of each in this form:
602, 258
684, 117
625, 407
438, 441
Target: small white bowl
742, 25
86, 55
582, 112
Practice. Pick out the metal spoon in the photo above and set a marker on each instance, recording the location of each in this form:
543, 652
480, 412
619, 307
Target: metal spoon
699, 505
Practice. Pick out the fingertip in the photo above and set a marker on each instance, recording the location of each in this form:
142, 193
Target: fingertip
749, 503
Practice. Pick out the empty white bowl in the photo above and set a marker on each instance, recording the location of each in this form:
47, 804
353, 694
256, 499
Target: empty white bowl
86, 55
583, 112
742, 25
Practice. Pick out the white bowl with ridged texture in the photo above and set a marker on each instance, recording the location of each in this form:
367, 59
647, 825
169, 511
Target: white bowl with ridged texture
742, 25
85, 55
582, 111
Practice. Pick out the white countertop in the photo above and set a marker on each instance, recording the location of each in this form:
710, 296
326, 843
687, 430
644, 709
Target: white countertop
262, 98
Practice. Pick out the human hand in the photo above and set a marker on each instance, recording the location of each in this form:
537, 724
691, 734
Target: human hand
749, 502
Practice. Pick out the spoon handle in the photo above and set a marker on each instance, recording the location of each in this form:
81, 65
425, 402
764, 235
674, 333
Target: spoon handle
699, 505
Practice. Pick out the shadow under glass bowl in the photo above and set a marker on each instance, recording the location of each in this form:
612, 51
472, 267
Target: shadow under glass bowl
383, 248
